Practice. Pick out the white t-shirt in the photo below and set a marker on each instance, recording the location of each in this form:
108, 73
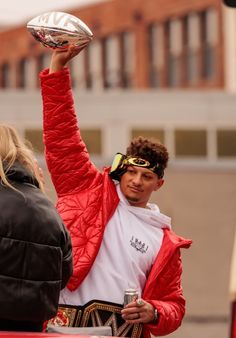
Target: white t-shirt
131, 242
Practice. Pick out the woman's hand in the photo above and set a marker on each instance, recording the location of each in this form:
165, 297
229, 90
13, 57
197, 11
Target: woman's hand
138, 311
60, 58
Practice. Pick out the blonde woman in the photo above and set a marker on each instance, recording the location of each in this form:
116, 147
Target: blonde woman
35, 248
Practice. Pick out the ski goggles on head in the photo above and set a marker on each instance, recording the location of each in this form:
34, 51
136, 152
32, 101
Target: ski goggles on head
121, 162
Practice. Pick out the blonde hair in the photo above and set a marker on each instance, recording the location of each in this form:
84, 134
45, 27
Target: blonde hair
13, 149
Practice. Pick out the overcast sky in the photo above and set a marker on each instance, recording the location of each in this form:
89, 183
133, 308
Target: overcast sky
18, 11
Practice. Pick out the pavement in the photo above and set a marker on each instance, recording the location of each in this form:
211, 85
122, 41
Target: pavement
191, 329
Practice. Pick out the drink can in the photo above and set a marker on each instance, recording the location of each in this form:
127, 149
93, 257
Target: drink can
130, 295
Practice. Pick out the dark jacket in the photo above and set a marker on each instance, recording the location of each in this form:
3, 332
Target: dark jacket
35, 251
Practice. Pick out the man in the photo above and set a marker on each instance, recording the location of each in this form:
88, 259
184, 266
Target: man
119, 239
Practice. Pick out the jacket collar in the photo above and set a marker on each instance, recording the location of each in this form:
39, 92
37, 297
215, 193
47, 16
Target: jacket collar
18, 173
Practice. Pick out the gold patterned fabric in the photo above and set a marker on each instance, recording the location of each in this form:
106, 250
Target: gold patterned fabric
94, 314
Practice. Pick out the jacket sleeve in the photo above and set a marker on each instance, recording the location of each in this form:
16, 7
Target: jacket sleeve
66, 154
67, 260
170, 303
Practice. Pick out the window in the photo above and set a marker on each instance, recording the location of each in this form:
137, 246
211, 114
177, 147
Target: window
22, 73
155, 54
35, 137
93, 140
127, 59
209, 39
111, 62
226, 143
43, 61
5, 76
87, 65
157, 134
192, 47
175, 49
95, 64
72, 73
190, 142
91, 137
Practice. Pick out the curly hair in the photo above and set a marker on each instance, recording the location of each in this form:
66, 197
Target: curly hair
151, 150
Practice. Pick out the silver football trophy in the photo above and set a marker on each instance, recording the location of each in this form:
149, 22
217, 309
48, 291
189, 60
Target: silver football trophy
58, 30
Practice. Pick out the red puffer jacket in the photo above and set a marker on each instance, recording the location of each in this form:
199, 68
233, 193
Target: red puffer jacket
87, 199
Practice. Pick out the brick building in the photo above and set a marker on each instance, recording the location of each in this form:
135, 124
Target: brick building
137, 44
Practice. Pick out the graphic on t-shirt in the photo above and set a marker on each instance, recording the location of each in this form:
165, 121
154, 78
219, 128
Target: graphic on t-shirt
138, 245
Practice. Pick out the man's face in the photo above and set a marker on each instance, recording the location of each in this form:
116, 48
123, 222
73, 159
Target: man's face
137, 185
